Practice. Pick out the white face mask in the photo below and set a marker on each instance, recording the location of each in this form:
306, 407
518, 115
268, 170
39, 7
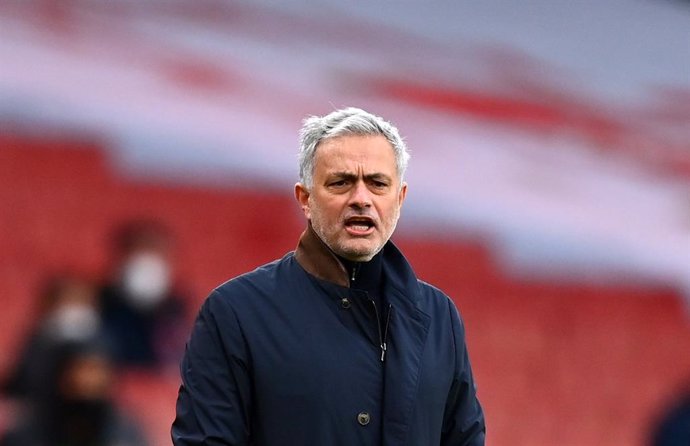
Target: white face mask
73, 322
146, 279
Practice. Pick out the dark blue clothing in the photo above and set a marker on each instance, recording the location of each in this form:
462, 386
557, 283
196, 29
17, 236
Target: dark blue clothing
674, 427
143, 337
289, 354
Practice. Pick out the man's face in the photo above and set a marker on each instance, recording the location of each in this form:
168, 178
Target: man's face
354, 203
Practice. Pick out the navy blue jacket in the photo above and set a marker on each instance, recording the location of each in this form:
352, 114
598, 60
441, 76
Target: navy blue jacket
289, 354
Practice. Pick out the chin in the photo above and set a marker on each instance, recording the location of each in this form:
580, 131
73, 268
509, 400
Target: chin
360, 257
358, 254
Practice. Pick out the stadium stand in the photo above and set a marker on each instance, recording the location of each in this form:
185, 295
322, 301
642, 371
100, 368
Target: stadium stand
557, 363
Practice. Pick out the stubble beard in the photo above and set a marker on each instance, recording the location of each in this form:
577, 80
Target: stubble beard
332, 235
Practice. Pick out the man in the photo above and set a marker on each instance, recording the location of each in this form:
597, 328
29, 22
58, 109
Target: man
338, 342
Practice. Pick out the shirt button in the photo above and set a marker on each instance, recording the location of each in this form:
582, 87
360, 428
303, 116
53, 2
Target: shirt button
345, 303
363, 418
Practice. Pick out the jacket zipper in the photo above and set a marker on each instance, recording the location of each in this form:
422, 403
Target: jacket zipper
355, 270
382, 336
385, 332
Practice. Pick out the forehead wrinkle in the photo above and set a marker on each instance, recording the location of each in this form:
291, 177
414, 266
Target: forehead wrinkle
352, 160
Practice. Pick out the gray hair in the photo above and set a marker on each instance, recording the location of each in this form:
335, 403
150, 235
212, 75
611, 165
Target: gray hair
346, 121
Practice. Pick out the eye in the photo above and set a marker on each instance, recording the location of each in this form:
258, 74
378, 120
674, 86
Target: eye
379, 184
338, 183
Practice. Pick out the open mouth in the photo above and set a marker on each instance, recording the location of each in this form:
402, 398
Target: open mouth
359, 224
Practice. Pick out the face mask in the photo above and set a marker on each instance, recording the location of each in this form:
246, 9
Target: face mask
146, 280
73, 322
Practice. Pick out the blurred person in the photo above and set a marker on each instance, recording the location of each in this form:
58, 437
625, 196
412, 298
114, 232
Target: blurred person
67, 312
78, 410
144, 316
338, 342
673, 428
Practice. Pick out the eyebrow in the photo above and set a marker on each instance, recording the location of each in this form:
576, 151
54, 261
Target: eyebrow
352, 177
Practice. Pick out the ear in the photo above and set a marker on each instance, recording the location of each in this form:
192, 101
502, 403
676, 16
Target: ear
402, 194
302, 197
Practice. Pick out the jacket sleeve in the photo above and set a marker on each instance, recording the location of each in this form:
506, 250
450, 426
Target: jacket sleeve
463, 421
214, 400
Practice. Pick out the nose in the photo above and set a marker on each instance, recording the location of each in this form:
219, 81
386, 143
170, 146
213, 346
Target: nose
361, 196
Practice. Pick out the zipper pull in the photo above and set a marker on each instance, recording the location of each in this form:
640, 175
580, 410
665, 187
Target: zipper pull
385, 333
355, 270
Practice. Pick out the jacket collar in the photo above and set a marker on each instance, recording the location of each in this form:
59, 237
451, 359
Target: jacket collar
317, 259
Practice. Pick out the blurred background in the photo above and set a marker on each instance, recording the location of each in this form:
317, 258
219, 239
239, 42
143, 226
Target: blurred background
148, 153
